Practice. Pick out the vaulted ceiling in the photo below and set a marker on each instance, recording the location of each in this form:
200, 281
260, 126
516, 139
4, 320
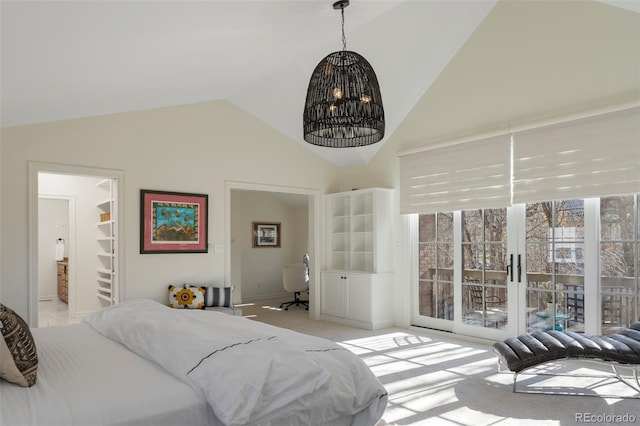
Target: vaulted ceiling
446, 68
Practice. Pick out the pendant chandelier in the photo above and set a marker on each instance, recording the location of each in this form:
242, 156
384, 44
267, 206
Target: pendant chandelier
344, 105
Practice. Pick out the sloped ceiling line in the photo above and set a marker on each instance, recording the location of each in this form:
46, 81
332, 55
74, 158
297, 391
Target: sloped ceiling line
64, 60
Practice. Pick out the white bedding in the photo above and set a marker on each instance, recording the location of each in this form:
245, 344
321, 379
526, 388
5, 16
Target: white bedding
248, 372
86, 379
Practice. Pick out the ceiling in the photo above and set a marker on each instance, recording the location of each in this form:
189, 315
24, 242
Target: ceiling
72, 59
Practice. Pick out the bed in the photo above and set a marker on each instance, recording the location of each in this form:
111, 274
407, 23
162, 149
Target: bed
142, 363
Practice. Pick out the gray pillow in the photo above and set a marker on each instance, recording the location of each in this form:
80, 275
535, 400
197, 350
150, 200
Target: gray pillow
218, 296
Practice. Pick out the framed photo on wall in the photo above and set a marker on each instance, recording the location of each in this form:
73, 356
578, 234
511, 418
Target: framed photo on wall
266, 234
173, 222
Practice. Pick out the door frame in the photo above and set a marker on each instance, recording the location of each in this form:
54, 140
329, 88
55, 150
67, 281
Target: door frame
591, 271
515, 290
313, 233
513, 244
36, 167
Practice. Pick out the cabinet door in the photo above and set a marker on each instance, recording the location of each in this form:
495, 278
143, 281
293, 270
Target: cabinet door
359, 297
60, 279
334, 292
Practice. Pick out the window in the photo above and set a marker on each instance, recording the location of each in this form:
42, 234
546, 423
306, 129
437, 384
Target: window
573, 278
435, 255
484, 253
566, 265
619, 252
555, 277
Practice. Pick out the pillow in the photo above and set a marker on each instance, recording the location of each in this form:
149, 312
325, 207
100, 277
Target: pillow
218, 296
186, 297
18, 356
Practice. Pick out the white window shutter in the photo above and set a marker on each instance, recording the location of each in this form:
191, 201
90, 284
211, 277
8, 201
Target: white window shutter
465, 176
589, 157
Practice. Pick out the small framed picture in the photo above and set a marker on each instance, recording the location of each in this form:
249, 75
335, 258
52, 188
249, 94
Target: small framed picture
173, 222
266, 234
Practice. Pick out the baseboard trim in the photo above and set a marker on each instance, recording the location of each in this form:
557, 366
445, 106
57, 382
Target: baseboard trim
284, 296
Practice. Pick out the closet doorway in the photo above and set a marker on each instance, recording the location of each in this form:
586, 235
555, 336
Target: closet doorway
54, 231
78, 271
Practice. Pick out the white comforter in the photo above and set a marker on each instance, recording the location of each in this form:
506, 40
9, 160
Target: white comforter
86, 379
249, 372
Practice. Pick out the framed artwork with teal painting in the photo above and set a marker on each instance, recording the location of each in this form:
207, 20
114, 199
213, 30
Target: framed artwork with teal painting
173, 222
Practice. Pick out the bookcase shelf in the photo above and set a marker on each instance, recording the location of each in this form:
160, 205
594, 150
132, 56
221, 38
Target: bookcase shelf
105, 238
357, 287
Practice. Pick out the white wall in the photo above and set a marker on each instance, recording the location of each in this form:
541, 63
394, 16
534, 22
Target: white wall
299, 231
190, 148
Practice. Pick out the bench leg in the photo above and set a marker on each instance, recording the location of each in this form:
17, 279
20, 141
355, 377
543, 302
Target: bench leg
629, 381
636, 386
515, 375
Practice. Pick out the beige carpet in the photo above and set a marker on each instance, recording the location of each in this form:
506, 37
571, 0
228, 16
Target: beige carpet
439, 379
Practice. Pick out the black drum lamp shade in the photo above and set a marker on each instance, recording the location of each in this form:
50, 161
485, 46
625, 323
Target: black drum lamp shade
343, 108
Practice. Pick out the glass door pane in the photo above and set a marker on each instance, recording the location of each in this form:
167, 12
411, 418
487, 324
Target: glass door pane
484, 276
555, 265
619, 252
435, 259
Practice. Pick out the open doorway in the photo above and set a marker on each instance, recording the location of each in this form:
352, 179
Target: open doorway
54, 232
257, 272
73, 248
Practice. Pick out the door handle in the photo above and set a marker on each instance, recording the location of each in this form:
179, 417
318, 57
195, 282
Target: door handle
510, 267
519, 268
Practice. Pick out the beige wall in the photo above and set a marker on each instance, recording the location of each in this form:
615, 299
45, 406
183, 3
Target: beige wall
191, 148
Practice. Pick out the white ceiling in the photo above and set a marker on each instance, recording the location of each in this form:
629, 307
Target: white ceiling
71, 59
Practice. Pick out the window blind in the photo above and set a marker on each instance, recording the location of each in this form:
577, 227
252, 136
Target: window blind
465, 176
589, 157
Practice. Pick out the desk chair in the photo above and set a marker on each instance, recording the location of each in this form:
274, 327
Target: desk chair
295, 279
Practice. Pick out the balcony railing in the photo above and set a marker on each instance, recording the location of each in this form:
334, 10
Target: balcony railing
563, 293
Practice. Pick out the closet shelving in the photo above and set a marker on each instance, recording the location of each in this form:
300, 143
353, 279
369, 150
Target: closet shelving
106, 230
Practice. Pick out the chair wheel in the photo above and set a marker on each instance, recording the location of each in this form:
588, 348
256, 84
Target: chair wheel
286, 309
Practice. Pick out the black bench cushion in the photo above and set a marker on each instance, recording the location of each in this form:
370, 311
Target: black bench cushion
539, 347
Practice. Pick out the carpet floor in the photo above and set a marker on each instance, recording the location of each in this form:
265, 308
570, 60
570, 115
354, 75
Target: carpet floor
442, 379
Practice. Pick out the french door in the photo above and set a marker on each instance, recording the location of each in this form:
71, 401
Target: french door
467, 281
557, 265
581, 265
555, 285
